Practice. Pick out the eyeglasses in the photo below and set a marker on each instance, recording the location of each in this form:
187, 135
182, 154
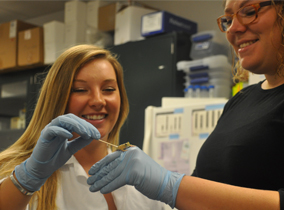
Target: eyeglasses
245, 15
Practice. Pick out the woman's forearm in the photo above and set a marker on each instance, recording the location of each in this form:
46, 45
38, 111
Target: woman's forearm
11, 198
200, 194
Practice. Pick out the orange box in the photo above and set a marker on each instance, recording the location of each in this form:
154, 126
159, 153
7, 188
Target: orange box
9, 42
107, 17
30, 47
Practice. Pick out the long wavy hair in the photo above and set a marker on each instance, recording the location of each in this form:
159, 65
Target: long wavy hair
241, 74
52, 102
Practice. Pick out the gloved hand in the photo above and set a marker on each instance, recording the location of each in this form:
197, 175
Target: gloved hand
53, 149
134, 167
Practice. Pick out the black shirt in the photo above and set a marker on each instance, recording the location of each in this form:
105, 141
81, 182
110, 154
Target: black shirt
246, 147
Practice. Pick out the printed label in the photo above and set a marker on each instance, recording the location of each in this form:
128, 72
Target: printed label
13, 29
28, 35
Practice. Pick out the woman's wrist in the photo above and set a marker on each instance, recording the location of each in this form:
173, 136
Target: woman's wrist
19, 186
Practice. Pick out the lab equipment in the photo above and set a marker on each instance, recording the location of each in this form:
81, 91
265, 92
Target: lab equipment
175, 131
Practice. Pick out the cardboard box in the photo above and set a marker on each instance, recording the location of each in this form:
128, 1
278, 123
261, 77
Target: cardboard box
75, 33
128, 24
9, 42
30, 47
107, 16
54, 39
165, 22
93, 12
54, 32
52, 51
75, 11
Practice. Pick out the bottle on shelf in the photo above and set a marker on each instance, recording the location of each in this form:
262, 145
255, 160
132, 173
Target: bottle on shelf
189, 91
204, 91
211, 89
197, 91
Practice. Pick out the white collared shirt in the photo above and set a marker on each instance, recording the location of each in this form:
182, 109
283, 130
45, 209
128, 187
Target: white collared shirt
73, 193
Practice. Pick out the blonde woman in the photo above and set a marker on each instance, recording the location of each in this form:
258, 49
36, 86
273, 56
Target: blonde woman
83, 99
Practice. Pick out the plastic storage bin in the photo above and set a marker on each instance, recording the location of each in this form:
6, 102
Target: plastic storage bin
203, 45
210, 63
216, 73
213, 70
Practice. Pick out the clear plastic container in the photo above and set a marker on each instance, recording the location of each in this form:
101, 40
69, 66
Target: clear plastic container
211, 63
197, 91
203, 45
204, 91
217, 73
217, 89
211, 90
189, 91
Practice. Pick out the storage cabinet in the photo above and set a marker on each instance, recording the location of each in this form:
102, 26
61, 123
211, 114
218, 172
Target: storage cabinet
18, 96
150, 73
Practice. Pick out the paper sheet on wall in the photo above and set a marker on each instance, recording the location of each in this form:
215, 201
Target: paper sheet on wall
175, 155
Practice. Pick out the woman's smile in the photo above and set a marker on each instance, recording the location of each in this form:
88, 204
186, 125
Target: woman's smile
95, 117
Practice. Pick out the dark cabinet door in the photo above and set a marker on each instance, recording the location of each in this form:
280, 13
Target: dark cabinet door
149, 74
18, 96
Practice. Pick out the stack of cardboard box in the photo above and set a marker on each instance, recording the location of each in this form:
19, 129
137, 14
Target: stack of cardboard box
10, 40
23, 44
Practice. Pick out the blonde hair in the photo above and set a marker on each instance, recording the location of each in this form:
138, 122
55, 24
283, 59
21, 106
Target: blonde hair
241, 74
52, 102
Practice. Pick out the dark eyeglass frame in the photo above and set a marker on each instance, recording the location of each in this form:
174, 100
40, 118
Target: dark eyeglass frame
256, 6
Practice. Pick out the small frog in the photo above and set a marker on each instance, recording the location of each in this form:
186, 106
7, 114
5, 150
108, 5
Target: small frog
124, 146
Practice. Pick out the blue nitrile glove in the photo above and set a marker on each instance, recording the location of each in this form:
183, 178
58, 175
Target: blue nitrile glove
53, 149
134, 167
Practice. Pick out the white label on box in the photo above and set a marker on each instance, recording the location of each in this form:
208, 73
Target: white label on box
152, 22
27, 35
13, 29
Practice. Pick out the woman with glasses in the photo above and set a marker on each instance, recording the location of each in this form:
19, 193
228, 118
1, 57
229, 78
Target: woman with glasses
241, 164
